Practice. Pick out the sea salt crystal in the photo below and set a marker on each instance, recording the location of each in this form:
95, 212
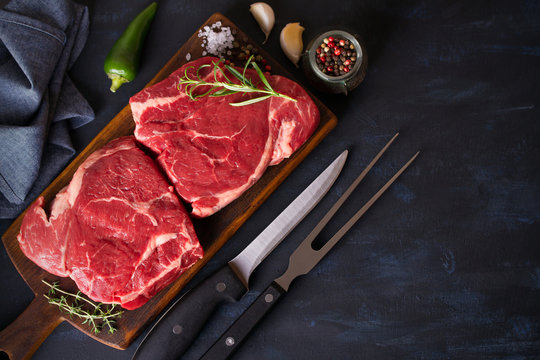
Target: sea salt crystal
217, 39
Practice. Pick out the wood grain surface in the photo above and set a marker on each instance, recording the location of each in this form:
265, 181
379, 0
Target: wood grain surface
40, 318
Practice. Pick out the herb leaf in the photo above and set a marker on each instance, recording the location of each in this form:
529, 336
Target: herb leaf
97, 317
235, 72
261, 75
227, 87
251, 101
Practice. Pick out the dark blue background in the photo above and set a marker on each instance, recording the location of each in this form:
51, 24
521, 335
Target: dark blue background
447, 263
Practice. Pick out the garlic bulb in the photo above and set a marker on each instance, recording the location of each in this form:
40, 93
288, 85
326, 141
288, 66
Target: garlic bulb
264, 15
291, 41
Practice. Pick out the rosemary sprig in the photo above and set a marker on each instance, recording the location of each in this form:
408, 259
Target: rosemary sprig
227, 87
97, 317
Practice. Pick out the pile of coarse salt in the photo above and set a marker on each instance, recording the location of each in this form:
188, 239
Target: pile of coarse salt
216, 39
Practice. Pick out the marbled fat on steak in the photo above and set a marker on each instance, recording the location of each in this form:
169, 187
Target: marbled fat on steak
118, 229
212, 151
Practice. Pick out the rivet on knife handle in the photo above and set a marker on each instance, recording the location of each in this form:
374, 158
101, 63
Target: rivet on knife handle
303, 259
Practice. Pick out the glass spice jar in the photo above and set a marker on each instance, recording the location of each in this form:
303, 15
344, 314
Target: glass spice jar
335, 62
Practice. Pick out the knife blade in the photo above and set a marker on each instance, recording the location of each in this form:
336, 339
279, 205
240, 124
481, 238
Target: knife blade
174, 332
303, 259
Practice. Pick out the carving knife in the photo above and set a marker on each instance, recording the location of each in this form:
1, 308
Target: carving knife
303, 259
173, 334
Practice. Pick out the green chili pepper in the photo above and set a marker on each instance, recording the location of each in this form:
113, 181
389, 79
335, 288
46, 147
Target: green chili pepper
122, 62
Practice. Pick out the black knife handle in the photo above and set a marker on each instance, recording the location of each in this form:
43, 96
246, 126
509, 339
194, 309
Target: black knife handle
179, 326
231, 339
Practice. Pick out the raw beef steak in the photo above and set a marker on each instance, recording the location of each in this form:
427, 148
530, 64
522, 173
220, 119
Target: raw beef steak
212, 151
118, 229
294, 122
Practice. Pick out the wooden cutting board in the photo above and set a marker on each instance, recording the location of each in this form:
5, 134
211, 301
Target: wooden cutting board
21, 338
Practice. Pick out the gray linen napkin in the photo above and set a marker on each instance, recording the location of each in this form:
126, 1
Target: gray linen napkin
39, 41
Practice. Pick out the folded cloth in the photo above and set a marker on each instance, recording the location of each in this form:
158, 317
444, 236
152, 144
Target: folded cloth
39, 41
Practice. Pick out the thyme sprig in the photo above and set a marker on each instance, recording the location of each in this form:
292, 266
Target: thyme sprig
97, 317
228, 87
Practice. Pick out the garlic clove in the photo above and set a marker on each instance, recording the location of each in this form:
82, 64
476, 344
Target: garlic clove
264, 15
291, 41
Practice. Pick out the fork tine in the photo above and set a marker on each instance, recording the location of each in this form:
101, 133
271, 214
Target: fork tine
304, 258
339, 234
300, 261
318, 228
